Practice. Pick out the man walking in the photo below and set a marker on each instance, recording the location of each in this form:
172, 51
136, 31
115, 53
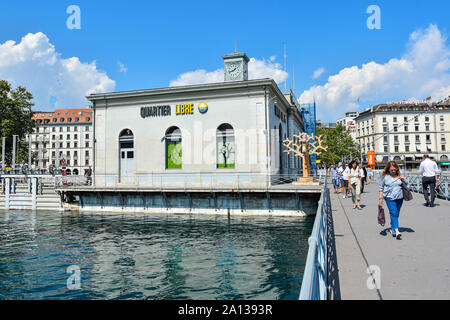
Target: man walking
334, 178
430, 176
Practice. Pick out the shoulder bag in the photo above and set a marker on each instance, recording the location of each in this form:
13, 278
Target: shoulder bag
407, 195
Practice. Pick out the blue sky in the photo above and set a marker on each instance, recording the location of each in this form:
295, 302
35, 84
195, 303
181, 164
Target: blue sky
157, 41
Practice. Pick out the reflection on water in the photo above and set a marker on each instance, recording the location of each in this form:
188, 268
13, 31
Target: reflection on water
151, 256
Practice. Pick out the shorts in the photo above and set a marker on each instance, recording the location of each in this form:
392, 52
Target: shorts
369, 174
335, 182
344, 183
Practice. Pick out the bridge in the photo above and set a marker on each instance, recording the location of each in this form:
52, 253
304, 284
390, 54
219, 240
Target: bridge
352, 257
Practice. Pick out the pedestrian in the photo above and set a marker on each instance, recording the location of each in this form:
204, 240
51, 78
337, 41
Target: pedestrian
354, 182
430, 176
363, 177
391, 191
334, 178
343, 176
369, 175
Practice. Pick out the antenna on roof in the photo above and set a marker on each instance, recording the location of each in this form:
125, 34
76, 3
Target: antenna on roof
235, 46
285, 65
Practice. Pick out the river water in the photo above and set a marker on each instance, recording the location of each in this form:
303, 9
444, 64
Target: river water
143, 256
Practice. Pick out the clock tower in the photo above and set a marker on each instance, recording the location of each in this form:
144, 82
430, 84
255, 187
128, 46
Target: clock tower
235, 66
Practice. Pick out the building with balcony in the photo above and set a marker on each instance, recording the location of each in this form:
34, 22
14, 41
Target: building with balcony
63, 138
349, 122
404, 132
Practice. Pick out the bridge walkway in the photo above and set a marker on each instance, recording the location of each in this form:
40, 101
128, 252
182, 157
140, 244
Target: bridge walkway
416, 267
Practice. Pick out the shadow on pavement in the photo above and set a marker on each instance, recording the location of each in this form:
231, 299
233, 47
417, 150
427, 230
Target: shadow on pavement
333, 270
387, 231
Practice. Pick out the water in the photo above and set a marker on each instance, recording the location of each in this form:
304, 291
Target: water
162, 256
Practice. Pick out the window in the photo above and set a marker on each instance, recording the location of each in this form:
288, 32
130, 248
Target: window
60, 129
443, 147
75, 129
87, 144
75, 163
225, 146
61, 145
68, 154
385, 148
416, 128
75, 153
86, 154
384, 119
68, 137
53, 129
443, 137
61, 119
407, 148
87, 162
53, 145
395, 119
75, 136
385, 138
406, 128
442, 127
395, 128
75, 144
406, 138
68, 144
53, 137
427, 127
173, 148
87, 136
395, 138
405, 119
441, 118
396, 148
60, 137
427, 118
385, 129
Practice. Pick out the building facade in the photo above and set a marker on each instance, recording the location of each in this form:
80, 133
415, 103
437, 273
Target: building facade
236, 126
63, 138
404, 132
349, 122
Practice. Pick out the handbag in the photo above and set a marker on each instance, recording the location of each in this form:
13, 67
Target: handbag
407, 195
381, 217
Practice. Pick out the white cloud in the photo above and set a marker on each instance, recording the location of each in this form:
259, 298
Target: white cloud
35, 64
257, 69
318, 73
424, 70
122, 67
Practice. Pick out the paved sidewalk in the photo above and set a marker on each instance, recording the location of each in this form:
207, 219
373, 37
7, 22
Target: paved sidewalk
416, 267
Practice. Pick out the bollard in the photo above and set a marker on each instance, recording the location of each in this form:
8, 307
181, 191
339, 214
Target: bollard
7, 192
33, 193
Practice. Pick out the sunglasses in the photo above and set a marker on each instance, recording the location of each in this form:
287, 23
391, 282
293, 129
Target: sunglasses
393, 170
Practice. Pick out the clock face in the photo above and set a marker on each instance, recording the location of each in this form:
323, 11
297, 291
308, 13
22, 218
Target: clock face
234, 69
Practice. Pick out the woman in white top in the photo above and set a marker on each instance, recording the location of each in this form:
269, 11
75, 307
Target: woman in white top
354, 182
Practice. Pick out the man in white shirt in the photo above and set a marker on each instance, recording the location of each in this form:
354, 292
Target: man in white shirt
345, 174
430, 176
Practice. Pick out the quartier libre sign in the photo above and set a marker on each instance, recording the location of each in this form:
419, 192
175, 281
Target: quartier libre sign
166, 110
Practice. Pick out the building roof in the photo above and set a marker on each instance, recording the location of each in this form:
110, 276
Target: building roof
397, 107
64, 116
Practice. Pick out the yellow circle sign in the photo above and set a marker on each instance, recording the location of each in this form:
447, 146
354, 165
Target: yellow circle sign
203, 107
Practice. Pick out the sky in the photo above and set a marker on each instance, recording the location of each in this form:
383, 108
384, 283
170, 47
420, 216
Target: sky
338, 61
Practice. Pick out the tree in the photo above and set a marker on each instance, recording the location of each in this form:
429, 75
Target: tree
15, 119
340, 145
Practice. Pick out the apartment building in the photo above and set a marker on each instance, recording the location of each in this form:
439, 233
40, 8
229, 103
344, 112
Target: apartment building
349, 122
63, 138
404, 132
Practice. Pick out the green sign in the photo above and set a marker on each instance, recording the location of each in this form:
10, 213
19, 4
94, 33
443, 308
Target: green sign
445, 163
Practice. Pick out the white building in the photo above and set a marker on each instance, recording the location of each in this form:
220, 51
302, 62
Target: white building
65, 134
236, 126
349, 122
404, 132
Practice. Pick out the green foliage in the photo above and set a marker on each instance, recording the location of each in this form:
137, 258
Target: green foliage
340, 145
15, 119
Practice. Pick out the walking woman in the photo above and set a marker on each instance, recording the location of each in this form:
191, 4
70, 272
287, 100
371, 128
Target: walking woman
391, 191
354, 182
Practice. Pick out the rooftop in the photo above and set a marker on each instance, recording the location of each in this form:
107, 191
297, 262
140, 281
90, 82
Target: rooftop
59, 116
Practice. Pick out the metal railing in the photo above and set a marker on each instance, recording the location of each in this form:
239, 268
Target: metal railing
415, 183
179, 180
315, 277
